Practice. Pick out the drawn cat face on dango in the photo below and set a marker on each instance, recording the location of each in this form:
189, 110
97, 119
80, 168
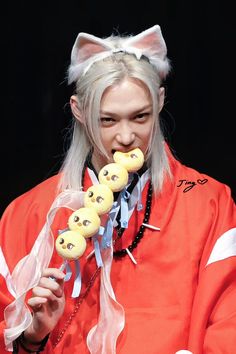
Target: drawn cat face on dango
84, 220
100, 197
114, 175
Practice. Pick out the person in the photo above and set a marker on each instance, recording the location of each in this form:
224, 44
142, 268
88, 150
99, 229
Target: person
166, 283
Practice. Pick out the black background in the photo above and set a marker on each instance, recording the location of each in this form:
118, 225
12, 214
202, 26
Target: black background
37, 38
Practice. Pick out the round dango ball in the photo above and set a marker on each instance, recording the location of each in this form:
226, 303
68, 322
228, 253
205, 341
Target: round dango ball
132, 160
70, 245
84, 220
99, 197
114, 175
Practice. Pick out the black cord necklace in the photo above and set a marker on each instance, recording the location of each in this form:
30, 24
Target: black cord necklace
140, 234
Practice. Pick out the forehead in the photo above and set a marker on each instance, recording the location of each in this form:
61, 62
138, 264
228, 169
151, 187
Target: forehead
127, 96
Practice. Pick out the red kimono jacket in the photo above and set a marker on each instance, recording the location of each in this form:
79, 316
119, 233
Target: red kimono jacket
182, 292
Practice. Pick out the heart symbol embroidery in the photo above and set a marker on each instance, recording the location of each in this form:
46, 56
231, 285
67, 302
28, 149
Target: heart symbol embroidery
202, 181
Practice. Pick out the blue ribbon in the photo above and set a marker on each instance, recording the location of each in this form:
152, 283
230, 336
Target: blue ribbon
77, 281
124, 209
61, 231
68, 271
107, 236
108, 231
97, 251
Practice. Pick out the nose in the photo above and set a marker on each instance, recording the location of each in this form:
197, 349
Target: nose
125, 136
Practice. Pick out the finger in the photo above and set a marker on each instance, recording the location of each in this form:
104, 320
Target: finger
39, 291
56, 275
56, 287
53, 273
36, 303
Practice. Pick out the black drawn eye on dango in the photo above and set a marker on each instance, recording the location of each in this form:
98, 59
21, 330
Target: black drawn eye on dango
99, 199
114, 178
70, 246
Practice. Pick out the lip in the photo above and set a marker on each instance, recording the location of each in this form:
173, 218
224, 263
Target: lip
123, 150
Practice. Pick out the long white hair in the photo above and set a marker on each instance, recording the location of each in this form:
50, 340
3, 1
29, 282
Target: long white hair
89, 90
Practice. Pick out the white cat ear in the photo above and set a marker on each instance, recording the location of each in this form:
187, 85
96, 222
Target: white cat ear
89, 49
151, 42
86, 46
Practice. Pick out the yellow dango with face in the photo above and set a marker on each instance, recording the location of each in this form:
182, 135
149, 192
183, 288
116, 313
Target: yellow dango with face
99, 197
84, 220
132, 160
70, 245
114, 175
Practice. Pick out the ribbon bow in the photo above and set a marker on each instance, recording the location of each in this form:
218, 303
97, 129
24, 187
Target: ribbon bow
107, 235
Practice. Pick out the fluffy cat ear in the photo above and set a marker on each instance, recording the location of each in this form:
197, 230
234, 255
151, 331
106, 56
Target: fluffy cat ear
89, 49
86, 46
151, 42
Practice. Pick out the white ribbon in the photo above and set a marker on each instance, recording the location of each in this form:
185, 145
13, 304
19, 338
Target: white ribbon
28, 270
103, 336
4, 270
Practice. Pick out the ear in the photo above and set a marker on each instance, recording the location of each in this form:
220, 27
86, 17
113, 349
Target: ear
161, 98
75, 109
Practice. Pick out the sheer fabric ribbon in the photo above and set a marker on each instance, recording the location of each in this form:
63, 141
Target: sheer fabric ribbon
28, 270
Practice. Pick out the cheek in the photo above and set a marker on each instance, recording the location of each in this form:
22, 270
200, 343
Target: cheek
107, 140
146, 133
106, 136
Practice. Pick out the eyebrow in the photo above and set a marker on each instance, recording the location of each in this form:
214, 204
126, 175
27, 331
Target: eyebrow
139, 110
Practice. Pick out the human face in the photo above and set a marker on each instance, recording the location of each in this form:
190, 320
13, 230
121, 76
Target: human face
126, 119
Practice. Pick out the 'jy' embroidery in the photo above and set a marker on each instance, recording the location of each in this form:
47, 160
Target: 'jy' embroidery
190, 184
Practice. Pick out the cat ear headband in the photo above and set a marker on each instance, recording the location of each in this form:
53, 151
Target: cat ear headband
88, 49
